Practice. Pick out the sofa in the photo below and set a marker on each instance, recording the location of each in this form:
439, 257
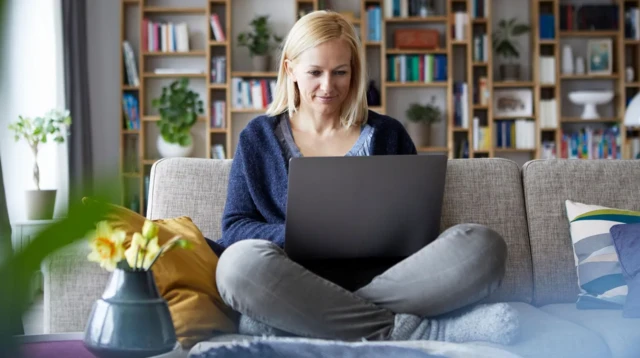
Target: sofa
526, 205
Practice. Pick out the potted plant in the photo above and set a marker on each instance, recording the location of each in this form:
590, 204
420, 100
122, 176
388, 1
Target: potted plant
179, 107
506, 46
41, 203
420, 117
258, 41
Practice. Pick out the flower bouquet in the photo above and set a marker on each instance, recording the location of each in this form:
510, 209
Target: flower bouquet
131, 318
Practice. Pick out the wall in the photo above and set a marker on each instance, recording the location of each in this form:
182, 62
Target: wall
103, 38
31, 86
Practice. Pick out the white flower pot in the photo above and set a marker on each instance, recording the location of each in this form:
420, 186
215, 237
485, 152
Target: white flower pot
171, 150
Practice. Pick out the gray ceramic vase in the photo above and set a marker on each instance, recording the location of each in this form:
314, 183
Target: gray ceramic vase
131, 319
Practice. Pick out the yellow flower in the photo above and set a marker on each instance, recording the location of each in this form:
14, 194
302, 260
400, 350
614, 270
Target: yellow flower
107, 246
149, 229
142, 249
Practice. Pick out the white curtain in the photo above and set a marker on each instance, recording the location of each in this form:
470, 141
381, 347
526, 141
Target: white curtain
32, 83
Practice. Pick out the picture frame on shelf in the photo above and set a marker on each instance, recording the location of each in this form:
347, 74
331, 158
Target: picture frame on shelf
600, 56
512, 102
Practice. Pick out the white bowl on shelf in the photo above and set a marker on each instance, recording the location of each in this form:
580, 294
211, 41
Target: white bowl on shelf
590, 99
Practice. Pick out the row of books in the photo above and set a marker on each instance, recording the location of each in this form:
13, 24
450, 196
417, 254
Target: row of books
130, 64
216, 28
131, 111
374, 23
479, 8
218, 110
252, 93
547, 73
417, 68
589, 143
548, 113
405, 8
481, 136
218, 69
461, 105
165, 36
547, 26
218, 152
480, 48
632, 23
517, 134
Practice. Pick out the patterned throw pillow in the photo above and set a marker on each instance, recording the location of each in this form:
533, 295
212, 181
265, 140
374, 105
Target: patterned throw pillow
599, 274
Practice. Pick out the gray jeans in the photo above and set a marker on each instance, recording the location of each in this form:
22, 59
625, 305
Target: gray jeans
464, 265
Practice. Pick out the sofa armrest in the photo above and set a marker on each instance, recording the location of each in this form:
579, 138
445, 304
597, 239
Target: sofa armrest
71, 285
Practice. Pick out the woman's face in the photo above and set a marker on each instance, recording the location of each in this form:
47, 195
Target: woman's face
323, 74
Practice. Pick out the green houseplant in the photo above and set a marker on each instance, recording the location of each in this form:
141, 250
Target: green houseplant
179, 107
36, 131
506, 46
259, 42
420, 118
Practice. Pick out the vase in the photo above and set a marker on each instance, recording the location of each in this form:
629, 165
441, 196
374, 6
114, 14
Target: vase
260, 63
373, 95
131, 319
510, 72
40, 204
420, 133
567, 60
172, 150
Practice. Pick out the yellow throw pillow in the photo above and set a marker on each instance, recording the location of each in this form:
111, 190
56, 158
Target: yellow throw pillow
186, 279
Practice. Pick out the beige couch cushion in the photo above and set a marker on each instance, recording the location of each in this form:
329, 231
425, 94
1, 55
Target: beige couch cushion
547, 184
489, 192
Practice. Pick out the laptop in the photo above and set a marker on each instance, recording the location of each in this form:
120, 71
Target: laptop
350, 218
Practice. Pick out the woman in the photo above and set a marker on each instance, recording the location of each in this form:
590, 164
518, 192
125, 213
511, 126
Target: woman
320, 109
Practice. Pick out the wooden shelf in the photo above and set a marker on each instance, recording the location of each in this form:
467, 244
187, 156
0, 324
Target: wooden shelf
131, 2
460, 129
218, 130
589, 33
547, 41
372, 43
378, 109
480, 63
130, 88
413, 19
396, 51
480, 20
130, 131
511, 84
222, 86
589, 77
632, 84
218, 43
580, 120
157, 118
514, 150
174, 75
432, 149
631, 42
416, 84
188, 53
248, 110
174, 10
510, 118
460, 42
132, 175
480, 106
149, 161
253, 74
221, 2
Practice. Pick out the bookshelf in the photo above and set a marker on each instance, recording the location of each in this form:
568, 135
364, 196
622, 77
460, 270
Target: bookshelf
568, 121
468, 56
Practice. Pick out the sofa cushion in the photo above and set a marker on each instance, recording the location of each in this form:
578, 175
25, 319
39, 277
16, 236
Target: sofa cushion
192, 187
599, 273
489, 192
547, 184
626, 240
622, 335
546, 335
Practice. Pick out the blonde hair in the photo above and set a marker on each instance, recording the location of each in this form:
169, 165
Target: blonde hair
310, 31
